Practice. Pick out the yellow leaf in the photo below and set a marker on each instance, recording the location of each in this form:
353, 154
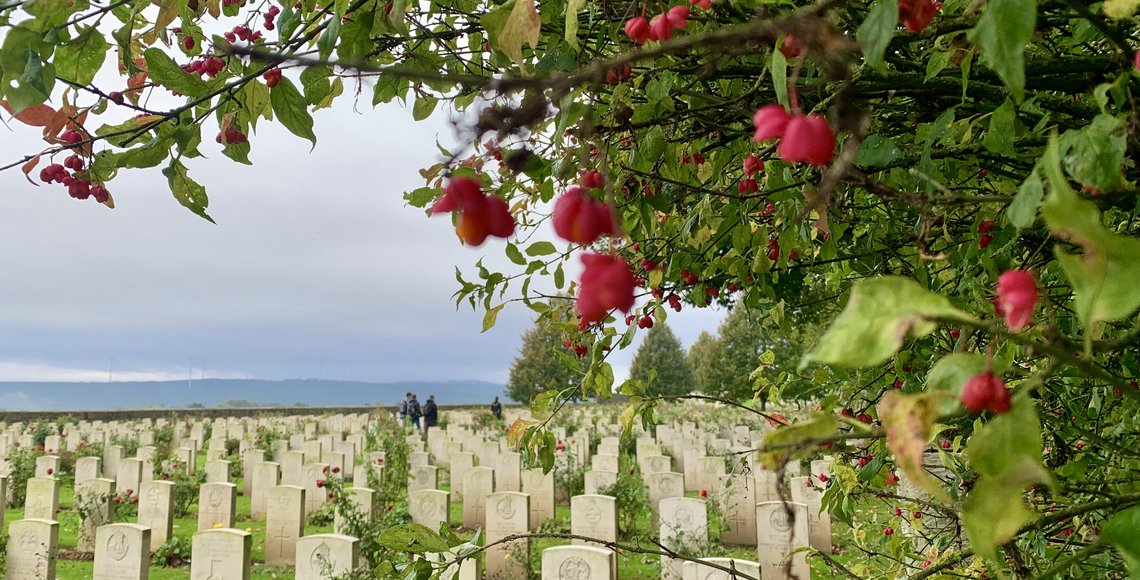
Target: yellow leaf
516, 431
572, 8
907, 419
522, 25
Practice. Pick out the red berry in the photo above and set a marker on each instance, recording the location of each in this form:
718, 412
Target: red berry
704, 493
272, 77
579, 219
985, 391
637, 29
592, 179
954, 333
898, 511
660, 28
645, 322
752, 165
115, 96
678, 16
945, 444
791, 47
188, 43
1016, 298
888, 531
809, 139
606, 284
916, 515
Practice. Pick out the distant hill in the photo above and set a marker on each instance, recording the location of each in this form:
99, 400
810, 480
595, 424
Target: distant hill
37, 396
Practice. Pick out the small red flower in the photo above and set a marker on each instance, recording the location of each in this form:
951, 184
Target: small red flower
752, 165
320, 483
704, 493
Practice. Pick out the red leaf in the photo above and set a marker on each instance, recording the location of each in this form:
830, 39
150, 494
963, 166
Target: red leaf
37, 116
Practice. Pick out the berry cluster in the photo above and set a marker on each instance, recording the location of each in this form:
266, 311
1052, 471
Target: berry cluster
69, 173
210, 66
243, 33
660, 28
480, 215
803, 138
270, 16
984, 237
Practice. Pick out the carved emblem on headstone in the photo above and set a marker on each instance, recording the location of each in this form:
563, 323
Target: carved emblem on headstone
574, 568
322, 557
505, 508
780, 521
684, 517
117, 546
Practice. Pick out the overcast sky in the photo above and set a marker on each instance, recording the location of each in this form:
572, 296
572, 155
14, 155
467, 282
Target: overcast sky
316, 267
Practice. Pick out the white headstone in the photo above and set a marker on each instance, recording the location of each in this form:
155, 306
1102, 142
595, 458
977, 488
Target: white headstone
323, 556
156, 511
777, 534
32, 545
428, 507
577, 563
508, 513
217, 505
284, 523
221, 553
121, 552
684, 523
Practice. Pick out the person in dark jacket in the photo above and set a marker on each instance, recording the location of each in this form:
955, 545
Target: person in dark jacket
414, 412
431, 413
497, 409
404, 409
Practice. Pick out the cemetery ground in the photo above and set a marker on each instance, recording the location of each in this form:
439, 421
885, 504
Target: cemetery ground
74, 564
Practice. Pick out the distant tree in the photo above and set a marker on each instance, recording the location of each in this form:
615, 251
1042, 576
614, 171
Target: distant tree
701, 357
736, 354
544, 363
661, 351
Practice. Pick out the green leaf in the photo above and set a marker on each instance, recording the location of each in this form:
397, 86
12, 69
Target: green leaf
423, 107
79, 60
421, 197
411, 538
875, 32
937, 62
951, 373
1001, 133
543, 404
188, 192
1010, 444
514, 254
1103, 275
31, 83
491, 316
1022, 211
1095, 154
315, 83
164, 71
1006, 454
290, 107
540, 249
991, 518
1123, 531
327, 41
1002, 33
881, 313
877, 151
651, 147
140, 157
784, 437
778, 66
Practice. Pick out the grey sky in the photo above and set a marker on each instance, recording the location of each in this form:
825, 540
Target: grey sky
316, 266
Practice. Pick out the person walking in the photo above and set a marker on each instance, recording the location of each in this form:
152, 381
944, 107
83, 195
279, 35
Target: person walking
497, 409
404, 410
415, 412
431, 413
